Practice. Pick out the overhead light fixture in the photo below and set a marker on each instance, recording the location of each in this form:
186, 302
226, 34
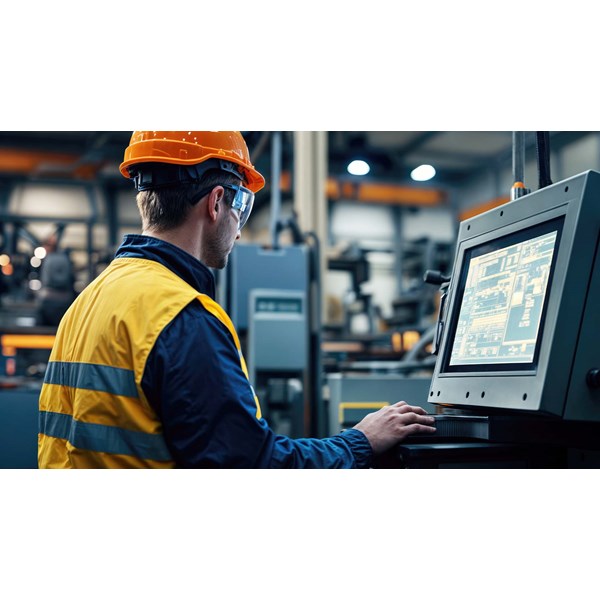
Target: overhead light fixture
423, 173
358, 167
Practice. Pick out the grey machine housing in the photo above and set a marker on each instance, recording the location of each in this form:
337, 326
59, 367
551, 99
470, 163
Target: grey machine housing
557, 383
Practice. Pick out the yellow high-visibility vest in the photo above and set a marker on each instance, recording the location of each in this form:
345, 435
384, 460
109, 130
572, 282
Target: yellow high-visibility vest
93, 410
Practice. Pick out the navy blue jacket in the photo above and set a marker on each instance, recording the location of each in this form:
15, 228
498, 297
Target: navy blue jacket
194, 381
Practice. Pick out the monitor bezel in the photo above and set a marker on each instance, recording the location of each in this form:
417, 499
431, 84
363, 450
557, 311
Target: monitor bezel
549, 390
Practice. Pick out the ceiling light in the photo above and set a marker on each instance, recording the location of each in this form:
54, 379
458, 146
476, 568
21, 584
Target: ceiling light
40, 252
358, 167
423, 173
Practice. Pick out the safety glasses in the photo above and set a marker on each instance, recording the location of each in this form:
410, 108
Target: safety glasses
243, 200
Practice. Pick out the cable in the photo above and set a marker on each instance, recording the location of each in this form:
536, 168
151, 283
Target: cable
543, 157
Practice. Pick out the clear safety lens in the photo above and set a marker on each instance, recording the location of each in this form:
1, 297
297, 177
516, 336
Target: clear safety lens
242, 202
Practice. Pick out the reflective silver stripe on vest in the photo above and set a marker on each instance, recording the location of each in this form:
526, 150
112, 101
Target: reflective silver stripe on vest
104, 438
101, 378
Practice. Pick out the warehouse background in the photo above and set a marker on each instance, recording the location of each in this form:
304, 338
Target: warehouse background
63, 190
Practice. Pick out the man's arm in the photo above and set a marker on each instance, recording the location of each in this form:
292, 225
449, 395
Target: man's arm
194, 381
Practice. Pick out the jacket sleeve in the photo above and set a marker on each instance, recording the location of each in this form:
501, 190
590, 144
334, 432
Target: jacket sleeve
194, 381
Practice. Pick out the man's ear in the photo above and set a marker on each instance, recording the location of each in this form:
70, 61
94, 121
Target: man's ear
215, 200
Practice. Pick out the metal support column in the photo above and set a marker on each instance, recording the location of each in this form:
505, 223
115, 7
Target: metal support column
275, 185
310, 204
310, 199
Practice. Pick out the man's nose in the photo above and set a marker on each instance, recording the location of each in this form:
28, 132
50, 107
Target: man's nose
238, 236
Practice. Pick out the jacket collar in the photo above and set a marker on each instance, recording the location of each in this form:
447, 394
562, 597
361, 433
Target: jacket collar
184, 265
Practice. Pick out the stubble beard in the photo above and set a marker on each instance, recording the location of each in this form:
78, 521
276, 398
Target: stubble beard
217, 248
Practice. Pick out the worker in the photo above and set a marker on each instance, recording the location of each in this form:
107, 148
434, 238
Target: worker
147, 369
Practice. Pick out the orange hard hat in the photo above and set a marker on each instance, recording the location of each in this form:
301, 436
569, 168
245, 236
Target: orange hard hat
189, 148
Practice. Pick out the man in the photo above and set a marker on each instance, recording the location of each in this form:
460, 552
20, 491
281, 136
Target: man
147, 369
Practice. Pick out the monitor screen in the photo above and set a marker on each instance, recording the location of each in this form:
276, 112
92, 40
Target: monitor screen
502, 297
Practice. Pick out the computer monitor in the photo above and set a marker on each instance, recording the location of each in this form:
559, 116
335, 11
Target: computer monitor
520, 328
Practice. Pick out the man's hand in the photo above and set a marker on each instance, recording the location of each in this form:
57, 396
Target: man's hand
391, 424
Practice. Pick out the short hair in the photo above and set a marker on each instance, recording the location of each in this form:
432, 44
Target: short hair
167, 207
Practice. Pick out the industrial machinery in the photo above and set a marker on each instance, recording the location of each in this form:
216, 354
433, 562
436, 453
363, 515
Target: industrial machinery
278, 357
268, 294
517, 379
271, 293
388, 362
354, 261
366, 372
